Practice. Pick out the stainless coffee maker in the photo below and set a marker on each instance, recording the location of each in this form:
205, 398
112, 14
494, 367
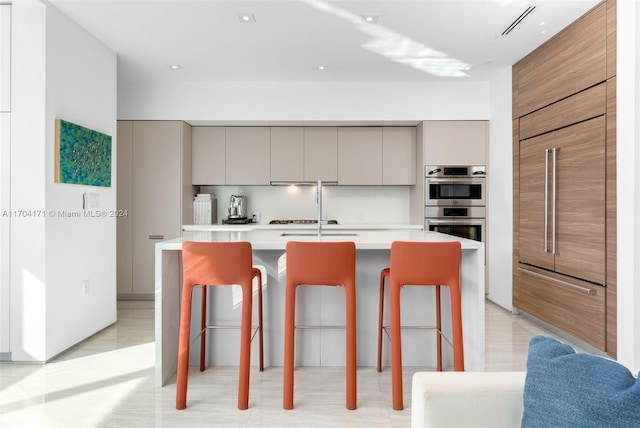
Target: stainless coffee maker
237, 207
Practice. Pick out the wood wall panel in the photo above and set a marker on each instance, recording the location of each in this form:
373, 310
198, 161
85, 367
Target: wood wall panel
611, 38
582, 106
571, 61
571, 79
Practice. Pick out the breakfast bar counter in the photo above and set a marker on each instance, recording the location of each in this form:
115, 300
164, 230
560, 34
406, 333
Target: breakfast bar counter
318, 305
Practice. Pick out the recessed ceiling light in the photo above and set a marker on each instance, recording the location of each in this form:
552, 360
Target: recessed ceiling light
371, 19
322, 67
246, 17
175, 66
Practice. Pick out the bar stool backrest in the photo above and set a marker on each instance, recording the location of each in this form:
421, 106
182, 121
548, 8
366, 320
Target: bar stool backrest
216, 263
321, 263
434, 263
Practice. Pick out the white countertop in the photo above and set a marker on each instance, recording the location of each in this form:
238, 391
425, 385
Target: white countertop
266, 226
271, 239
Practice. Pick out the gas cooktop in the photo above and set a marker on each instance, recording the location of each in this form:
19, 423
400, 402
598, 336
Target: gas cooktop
300, 222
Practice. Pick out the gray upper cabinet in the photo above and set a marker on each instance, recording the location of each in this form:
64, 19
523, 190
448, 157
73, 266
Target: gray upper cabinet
287, 153
359, 156
261, 155
456, 142
208, 155
321, 153
399, 156
248, 155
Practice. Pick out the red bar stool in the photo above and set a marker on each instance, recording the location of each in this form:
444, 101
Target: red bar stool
214, 264
423, 264
320, 263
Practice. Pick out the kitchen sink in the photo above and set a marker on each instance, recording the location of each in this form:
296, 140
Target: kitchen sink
316, 234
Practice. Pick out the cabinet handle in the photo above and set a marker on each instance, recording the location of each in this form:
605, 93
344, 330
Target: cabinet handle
575, 287
546, 200
553, 203
156, 236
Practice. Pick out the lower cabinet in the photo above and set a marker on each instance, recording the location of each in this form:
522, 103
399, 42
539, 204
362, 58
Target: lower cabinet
574, 306
154, 187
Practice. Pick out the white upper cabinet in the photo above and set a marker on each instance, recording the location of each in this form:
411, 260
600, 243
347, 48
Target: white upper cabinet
359, 156
287, 153
208, 155
399, 155
456, 142
5, 57
321, 153
248, 155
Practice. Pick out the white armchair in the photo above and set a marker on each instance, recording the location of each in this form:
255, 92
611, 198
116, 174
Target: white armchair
467, 399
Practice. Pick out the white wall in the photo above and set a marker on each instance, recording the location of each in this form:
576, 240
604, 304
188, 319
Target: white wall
628, 185
237, 102
5, 177
60, 71
500, 177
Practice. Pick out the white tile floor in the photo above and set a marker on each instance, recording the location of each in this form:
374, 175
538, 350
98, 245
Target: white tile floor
107, 381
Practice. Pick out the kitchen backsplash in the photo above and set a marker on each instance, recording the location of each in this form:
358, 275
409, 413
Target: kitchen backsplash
346, 204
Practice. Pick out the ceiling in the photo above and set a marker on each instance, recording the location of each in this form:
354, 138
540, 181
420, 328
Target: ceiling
413, 41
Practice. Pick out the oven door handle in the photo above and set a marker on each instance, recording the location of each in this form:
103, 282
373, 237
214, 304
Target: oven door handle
468, 221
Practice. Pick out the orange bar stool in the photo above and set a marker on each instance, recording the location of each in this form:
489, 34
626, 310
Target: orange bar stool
424, 264
320, 263
213, 264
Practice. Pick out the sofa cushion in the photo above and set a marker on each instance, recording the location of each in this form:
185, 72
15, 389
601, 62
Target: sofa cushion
568, 389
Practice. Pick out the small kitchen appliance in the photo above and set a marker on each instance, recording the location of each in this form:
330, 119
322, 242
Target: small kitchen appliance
237, 211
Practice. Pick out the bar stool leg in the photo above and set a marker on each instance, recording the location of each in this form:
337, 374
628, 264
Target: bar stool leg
245, 346
396, 345
183, 349
438, 330
289, 344
261, 338
351, 346
383, 274
456, 321
203, 326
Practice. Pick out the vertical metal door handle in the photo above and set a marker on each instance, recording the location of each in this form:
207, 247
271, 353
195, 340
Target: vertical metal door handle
546, 199
553, 203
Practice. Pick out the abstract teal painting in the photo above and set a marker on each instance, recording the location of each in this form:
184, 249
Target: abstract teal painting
83, 156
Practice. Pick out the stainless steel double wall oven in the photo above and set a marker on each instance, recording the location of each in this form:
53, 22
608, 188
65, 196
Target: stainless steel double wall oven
456, 200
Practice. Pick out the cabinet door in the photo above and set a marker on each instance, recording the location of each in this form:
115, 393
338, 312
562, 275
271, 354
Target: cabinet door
208, 155
321, 153
534, 178
156, 195
359, 156
581, 207
248, 156
287, 154
399, 155
580, 201
124, 201
456, 142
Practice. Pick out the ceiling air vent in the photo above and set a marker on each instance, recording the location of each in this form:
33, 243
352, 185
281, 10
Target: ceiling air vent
518, 20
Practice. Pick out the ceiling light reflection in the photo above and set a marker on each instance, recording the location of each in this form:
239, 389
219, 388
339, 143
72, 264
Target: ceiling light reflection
397, 47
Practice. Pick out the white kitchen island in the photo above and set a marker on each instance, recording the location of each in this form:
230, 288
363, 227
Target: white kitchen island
318, 305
